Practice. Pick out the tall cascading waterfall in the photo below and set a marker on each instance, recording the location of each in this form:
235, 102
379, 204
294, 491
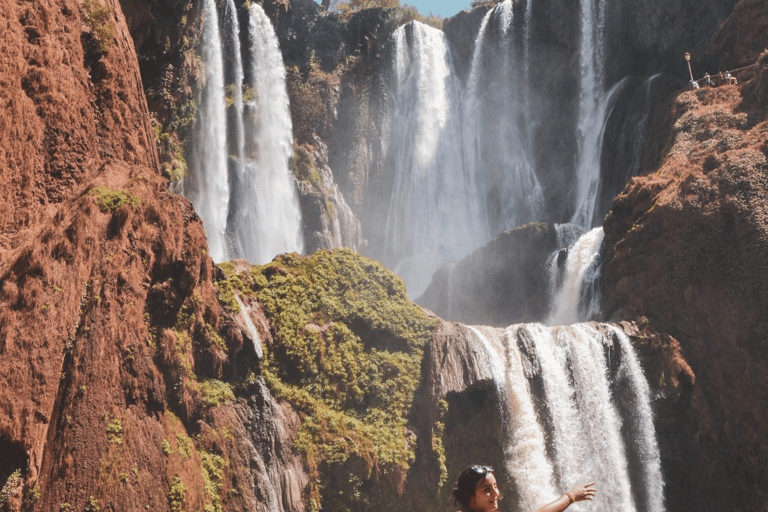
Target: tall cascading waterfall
456, 149
496, 119
595, 106
239, 181
436, 211
270, 221
598, 421
207, 185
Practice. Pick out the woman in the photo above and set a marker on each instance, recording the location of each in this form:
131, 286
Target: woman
476, 491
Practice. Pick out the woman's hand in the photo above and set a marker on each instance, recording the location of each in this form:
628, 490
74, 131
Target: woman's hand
584, 492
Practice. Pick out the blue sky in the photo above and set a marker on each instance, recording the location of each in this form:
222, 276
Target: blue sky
445, 8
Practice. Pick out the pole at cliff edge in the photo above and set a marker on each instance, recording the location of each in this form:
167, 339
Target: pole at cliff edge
688, 60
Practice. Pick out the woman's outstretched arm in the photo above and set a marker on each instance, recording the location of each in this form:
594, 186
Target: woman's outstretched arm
583, 492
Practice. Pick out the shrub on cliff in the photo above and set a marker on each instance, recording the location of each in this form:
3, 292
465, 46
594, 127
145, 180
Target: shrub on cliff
97, 16
402, 14
347, 354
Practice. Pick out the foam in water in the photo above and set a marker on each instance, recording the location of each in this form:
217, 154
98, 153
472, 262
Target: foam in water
599, 418
525, 452
584, 417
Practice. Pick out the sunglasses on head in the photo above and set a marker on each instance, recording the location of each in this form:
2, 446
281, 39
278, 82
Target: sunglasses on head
482, 470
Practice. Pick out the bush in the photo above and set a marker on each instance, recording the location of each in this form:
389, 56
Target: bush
108, 199
97, 16
215, 392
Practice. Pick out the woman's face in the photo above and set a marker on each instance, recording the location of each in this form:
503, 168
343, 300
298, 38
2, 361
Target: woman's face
486, 498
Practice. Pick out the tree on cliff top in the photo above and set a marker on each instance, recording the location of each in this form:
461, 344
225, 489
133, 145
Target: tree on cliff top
405, 13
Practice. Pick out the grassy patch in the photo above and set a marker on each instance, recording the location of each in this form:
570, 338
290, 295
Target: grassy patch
108, 199
177, 495
215, 392
213, 480
115, 431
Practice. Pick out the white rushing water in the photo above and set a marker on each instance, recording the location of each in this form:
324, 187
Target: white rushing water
269, 221
234, 93
239, 182
436, 211
574, 296
584, 417
456, 149
207, 186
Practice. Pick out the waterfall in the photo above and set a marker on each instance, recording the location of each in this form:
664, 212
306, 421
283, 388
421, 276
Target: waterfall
462, 157
574, 291
207, 186
595, 106
239, 179
235, 125
524, 453
251, 327
496, 137
581, 414
436, 212
270, 221
641, 431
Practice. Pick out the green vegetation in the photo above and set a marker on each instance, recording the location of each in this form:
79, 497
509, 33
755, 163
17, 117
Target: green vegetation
115, 431
109, 199
10, 488
92, 505
166, 446
438, 443
33, 494
402, 13
176, 495
172, 153
213, 480
347, 355
249, 94
215, 392
98, 17
184, 444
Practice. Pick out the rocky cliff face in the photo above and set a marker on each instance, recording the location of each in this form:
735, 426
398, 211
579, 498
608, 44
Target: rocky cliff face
111, 334
687, 250
132, 366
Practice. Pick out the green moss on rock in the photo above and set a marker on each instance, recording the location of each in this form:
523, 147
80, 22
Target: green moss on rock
347, 354
108, 199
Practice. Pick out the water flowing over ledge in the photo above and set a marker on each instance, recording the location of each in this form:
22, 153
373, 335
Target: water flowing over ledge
575, 407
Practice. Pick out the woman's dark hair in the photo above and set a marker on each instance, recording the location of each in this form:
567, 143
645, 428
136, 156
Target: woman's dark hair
467, 483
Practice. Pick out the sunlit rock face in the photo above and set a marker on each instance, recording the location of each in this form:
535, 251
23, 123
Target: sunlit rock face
687, 250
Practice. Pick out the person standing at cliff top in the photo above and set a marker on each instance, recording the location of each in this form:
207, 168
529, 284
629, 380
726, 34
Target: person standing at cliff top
476, 491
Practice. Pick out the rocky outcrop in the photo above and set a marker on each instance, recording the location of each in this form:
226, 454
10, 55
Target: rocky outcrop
112, 337
687, 250
740, 40
505, 282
